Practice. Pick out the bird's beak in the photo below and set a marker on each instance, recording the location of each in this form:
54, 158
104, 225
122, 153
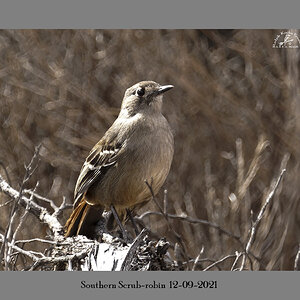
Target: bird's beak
164, 88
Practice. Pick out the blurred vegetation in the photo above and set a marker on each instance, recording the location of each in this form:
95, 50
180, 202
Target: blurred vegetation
63, 89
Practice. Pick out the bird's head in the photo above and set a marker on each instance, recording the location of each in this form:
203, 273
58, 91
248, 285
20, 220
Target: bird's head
144, 97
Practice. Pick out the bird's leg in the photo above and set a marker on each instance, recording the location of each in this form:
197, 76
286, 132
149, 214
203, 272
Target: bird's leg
132, 221
125, 237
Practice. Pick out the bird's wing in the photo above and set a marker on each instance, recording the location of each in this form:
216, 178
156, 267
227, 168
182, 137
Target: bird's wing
101, 158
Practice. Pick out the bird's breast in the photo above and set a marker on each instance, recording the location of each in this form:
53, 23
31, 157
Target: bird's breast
147, 157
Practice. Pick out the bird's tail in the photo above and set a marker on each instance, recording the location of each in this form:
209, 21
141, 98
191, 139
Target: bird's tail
83, 220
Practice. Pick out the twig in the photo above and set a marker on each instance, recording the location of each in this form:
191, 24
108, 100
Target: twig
39, 197
297, 258
197, 259
178, 237
64, 205
57, 210
240, 162
254, 167
156, 202
38, 211
193, 221
45, 259
59, 259
6, 173
21, 221
196, 221
219, 261
238, 255
6, 203
20, 250
127, 261
29, 170
260, 216
40, 240
166, 202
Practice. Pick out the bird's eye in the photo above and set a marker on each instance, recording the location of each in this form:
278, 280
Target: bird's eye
140, 91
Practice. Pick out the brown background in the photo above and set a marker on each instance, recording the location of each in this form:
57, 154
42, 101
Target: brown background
63, 88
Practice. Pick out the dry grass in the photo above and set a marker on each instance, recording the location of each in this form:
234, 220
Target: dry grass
235, 112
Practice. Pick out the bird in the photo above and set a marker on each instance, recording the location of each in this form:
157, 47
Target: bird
137, 149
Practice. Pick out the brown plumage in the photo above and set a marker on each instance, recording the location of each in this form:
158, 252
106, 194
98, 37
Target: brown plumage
137, 147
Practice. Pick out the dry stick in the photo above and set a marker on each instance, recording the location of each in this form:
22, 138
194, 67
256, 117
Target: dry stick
37, 196
156, 202
70, 268
57, 242
240, 165
132, 222
219, 261
297, 258
6, 203
243, 182
124, 234
59, 259
254, 166
29, 170
64, 205
22, 218
38, 211
238, 255
13, 239
6, 173
42, 241
240, 162
277, 253
202, 260
57, 210
127, 261
20, 250
210, 197
44, 259
197, 259
193, 221
17, 255
178, 237
197, 221
259, 218
166, 202
196, 262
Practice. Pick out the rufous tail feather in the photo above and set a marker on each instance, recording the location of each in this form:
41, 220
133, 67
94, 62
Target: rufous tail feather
83, 220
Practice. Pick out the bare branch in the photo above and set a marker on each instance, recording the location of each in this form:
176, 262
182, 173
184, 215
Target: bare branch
38, 211
255, 224
126, 263
197, 259
38, 240
238, 255
64, 205
13, 239
45, 259
191, 220
39, 197
297, 260
254, 166
240, 163
29, 170
6, 203
219, 261
6, 173
178, 237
